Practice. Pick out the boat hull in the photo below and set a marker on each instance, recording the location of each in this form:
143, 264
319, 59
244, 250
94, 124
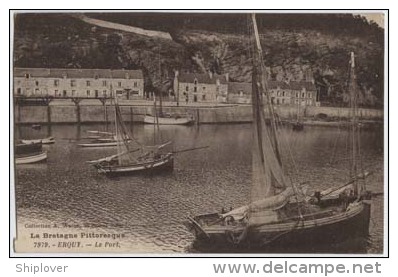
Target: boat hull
297, 126
33, 158
148, 119
164, 164
99, 144
48, 140
334, 229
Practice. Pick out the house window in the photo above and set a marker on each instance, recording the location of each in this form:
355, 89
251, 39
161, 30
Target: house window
309, 95
195, 82
119, 84
303, 95
88, 92
27, 76
19, 91
195, 89
96, 77
104, 93
64, 93
72, 83
96, 93
73, 92
204, 88
135, 84
283, 101
56, 92
88, 83
37, 91
104, 83
37, 83
283, 93
204, 97
186, 88
297, 94
56, 83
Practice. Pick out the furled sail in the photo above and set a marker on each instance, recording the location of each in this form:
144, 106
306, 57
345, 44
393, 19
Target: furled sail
270, 189
268, 176
126, 144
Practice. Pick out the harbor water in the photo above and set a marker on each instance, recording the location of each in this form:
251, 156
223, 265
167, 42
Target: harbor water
150, 210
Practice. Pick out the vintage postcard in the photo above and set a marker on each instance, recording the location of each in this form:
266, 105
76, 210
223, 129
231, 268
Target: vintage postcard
192, 132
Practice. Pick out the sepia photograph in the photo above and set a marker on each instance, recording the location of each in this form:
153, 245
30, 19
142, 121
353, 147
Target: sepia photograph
199, 132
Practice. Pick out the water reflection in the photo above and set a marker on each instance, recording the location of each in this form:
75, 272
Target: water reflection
151, 210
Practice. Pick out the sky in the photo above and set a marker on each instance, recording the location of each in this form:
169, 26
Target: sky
376, 17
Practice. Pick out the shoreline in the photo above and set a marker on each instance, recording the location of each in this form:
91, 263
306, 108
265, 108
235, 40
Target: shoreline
202, 114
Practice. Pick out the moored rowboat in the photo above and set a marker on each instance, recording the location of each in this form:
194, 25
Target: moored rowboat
162, 120
31, 158
48, 140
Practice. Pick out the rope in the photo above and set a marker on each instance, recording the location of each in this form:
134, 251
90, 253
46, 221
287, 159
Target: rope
284, 233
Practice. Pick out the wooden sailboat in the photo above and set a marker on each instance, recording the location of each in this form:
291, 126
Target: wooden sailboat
101, 140
279, 212
132, 156
169, 119
98, 139
161, 118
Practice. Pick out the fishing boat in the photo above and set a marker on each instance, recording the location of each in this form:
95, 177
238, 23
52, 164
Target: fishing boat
169, 119
279, 211
48, 140
94, 134
99, 139
29, 153
132, 156
161, 118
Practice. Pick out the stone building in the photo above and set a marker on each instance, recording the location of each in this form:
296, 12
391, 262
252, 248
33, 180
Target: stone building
88, 83
195, 87
293, 93
282, 93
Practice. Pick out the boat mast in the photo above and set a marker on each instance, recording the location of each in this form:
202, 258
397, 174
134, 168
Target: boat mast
160, 86
117, 135
298, 107
354, 123
264, 88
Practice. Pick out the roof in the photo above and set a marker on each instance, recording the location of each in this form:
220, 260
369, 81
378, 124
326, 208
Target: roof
202, 78
78, 73
246, 88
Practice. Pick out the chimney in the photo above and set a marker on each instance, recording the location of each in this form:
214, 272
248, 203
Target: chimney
210, 74
227, 77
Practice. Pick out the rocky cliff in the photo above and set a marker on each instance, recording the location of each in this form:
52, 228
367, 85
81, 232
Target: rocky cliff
295, 47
